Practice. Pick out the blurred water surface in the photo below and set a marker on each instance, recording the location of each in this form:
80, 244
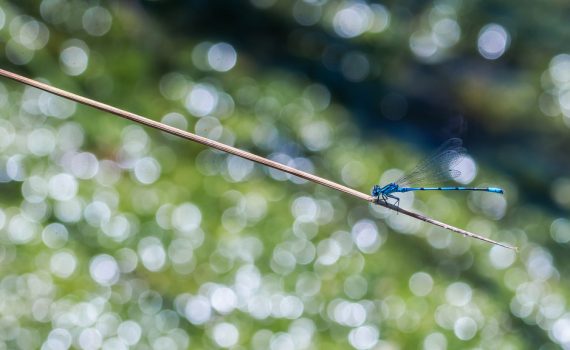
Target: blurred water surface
116, 236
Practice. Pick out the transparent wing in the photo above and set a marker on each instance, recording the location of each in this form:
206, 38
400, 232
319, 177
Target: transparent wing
439, 167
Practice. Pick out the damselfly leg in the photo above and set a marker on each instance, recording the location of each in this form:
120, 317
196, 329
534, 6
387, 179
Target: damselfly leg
396, 202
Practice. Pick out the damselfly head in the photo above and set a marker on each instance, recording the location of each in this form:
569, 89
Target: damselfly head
375, 191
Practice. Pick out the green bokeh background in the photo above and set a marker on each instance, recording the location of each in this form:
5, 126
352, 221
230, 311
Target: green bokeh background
113, 235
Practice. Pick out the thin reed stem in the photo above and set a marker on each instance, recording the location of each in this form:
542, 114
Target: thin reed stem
235, 151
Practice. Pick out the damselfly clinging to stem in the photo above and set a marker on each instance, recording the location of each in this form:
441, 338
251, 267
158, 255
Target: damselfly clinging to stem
240, 153
437, 168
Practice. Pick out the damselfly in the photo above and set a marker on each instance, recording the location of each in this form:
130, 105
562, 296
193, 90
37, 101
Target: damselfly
437, 168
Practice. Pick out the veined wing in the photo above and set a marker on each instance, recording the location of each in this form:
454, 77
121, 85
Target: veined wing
437, 168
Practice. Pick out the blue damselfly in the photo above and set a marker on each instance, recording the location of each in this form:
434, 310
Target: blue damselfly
437, 168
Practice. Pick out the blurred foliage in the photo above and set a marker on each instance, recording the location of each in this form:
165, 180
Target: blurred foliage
115, 236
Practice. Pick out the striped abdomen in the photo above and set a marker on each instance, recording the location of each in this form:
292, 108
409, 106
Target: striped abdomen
456, 188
